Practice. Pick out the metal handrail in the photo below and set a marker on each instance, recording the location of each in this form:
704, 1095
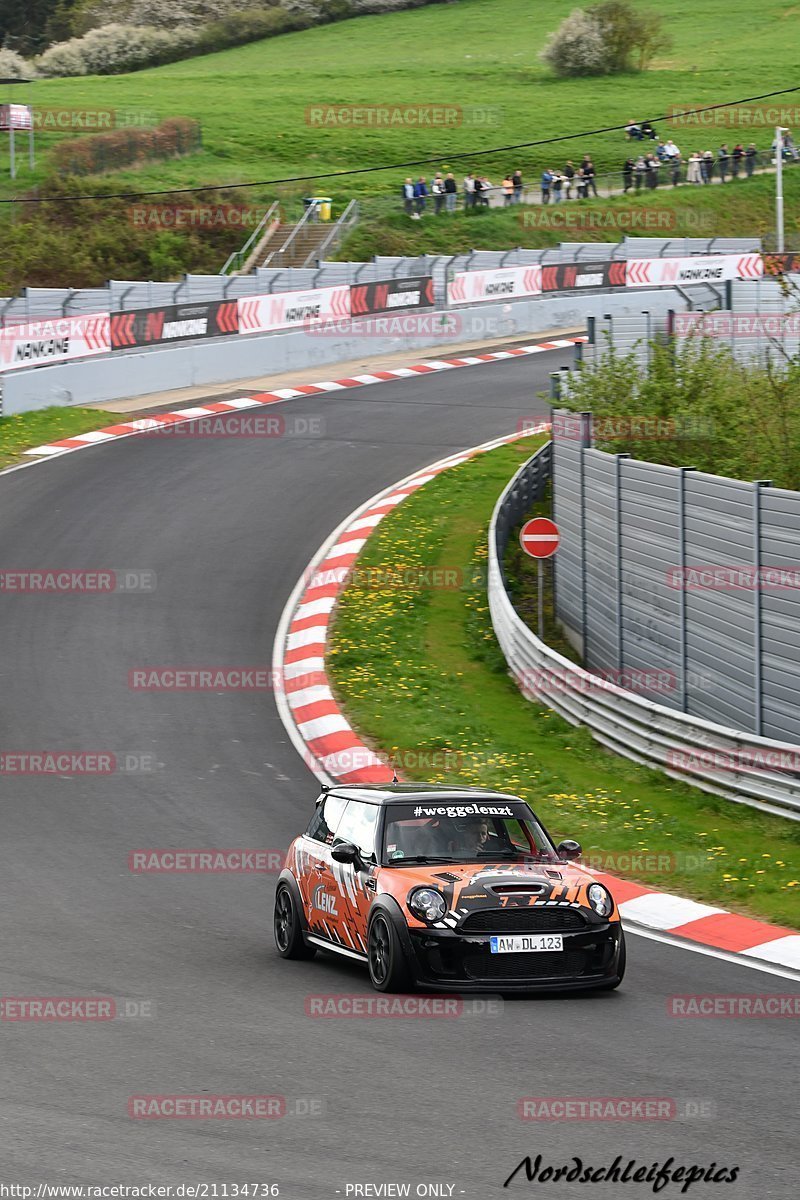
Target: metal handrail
310, 212
348, 218
240, 256
620, 720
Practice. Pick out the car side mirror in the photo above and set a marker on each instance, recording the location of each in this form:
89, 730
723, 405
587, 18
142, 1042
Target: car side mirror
346, 852
568, 850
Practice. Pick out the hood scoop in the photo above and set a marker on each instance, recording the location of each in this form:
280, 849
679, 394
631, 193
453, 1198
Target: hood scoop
526, 888
447, 876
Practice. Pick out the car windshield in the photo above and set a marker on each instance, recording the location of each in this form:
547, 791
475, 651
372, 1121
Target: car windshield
455, 832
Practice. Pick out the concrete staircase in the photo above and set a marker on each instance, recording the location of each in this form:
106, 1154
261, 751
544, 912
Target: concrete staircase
297, 244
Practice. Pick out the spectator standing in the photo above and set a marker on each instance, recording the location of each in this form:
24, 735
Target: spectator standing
695, 172
477, 188
437, 190
486, 188
508, 191
558, 182
589, 174
640, 171
547, 179
408, 197
627, 174
707, 166
750, 156
569, 175
674, 162
421, 194
737, 155
469, 191
516, 180
450, 192
581, 184
652, 165
723, 161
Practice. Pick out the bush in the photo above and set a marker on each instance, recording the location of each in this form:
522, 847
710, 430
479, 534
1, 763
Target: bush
740, 421
577, 47
114, 49
605, 40
14, 66
127, 147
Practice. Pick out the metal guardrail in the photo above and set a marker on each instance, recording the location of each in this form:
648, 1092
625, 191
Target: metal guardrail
623, 722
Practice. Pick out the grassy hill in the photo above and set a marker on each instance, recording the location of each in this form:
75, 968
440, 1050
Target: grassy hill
479, 55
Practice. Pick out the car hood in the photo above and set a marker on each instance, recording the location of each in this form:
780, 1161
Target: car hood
467, 887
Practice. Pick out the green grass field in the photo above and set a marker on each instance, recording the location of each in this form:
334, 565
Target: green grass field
25, 430
419, 669
252, 101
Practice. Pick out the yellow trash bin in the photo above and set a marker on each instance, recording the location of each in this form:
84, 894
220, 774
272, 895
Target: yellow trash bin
324, 207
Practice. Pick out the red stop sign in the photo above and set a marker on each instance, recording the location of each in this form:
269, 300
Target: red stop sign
539, 537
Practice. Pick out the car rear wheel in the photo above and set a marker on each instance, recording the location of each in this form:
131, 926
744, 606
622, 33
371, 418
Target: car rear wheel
287, 926
388, 968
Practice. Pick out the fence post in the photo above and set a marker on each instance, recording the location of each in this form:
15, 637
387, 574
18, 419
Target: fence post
758, 697
618, 547
682, 472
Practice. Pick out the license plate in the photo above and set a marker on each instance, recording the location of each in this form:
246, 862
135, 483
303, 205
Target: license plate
526, 943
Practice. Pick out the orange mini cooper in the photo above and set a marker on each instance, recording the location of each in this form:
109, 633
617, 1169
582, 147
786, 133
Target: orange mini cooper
450, 888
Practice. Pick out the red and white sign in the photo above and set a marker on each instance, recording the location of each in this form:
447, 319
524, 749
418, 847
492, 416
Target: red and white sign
505, 283
293, 310
712, 268
56, 339
539, 537
16, 116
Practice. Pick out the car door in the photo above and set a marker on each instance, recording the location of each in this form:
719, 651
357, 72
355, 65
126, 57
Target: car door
313, 864
356, 884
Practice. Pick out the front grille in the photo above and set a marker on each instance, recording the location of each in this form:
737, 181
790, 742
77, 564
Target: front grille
535, 919
546, 965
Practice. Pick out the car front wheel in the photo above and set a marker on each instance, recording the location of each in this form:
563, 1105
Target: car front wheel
388, 968
287, 926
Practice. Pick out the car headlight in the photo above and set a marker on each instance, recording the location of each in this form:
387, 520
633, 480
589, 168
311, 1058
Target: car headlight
600, 900
427, 904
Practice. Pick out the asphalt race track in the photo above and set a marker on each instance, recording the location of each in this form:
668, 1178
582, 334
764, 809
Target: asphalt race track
228, 526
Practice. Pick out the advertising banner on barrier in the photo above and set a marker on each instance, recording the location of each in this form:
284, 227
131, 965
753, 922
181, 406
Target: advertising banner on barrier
391, 295
293, 310
52, 340
503, 283
712, 268
568, 276
173, 323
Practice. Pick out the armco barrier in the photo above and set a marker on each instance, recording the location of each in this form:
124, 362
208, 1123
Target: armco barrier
756, 771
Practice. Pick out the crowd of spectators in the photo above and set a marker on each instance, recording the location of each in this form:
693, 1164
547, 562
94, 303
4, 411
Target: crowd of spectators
664, 163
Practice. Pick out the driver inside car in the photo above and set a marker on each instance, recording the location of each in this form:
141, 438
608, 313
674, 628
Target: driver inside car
472, 837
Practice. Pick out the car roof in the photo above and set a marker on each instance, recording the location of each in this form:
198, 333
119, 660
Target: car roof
400, 793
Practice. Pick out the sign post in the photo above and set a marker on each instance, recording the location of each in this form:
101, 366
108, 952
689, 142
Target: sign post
13, 117
539, 538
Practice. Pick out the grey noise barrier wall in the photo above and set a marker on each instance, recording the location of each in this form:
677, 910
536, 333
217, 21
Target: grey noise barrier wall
711, 754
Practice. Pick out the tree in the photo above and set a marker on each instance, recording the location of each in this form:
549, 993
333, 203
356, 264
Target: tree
604, 40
